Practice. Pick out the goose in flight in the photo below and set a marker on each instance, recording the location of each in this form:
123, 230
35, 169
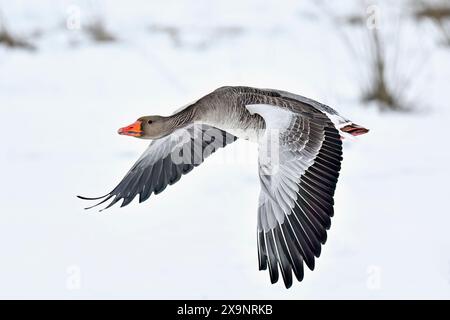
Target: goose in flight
299, 157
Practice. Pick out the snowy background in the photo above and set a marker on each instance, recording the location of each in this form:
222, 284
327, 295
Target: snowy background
73, 72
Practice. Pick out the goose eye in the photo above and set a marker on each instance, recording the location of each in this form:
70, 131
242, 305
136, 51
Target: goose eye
149, 121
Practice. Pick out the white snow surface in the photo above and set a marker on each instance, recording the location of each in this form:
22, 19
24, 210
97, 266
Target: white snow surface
62, 104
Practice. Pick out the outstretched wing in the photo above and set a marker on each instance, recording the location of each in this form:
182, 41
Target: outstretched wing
165, 161
299, 163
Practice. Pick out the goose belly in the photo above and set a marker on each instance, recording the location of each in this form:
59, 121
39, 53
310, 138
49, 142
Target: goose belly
244, 126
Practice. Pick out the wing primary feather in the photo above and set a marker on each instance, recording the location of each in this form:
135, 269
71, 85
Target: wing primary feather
133, 190
163, 180
262, 252
96, 198
146, 191
100, 203
272, 262
314, 243
297, 259
317, 227
300, 236
284, 262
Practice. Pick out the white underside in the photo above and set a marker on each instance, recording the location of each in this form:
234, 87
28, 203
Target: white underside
274, 116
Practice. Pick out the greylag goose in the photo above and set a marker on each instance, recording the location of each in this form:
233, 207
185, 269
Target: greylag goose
300, 154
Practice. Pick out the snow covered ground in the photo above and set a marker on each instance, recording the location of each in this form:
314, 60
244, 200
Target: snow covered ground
61, 106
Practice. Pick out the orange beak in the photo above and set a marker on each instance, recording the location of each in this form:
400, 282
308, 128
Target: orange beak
134, 130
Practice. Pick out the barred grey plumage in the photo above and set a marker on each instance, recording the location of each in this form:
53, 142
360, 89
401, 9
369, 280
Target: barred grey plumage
298, 166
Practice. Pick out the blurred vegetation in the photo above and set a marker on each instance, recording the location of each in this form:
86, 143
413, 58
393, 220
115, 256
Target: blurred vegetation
97, 31
379, 90
439, 14
12, 41
378, 87
209, 35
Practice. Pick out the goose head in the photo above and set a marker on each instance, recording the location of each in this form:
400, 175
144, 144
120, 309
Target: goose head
148, 127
